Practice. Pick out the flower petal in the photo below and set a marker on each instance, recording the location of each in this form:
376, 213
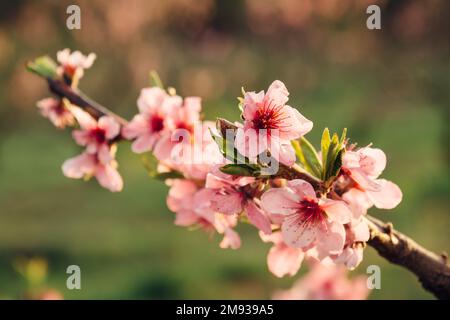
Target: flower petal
388, 197
280, 201
258, 217
298, 235
336, 210
283, 260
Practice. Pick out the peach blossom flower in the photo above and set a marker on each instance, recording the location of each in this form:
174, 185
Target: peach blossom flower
272, 123
56, 112
227, 195
101, 165
95, 135
191, 206
74, 63
308, 221
364, 167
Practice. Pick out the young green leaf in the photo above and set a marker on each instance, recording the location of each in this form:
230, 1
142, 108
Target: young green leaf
308, 156
43, 66
240, 169
325, 145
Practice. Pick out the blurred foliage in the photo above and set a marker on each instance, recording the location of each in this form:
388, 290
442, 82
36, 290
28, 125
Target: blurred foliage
389, 87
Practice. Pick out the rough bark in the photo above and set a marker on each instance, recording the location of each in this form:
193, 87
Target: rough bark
432, 270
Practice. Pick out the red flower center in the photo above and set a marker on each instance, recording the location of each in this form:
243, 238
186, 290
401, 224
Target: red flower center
156, 123
99, 135
69, 70
269, 116
311, 211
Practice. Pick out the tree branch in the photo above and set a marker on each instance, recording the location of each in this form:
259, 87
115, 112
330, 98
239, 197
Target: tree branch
432, 270
76, 97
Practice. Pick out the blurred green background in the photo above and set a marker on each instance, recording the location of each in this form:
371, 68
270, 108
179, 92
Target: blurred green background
388, 87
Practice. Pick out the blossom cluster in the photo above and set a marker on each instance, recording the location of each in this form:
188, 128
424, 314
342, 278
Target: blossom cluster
216, 182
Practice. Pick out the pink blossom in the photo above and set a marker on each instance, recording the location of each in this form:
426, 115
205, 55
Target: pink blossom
56, 112
191, 205
95, 135
75, 62
356, 234
194, 153
278, 123
308, 221
364, 166
282, 260
102, 166
326, 283
228, 195
149, 127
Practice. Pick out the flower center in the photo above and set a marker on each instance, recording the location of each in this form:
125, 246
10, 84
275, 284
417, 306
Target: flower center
269, 116
69, 70
99, 135
156, 123
311, 211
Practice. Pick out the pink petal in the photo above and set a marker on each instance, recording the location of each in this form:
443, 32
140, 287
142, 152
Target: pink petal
230, 240
360, 231
85, 120
336, 210
297, 124
136, 127
357, 201
298, 235
150, 99
350, 257
163, 147
258, 217
363, 180
81, 137
302, 188
282, 151
251, 101
388, 197
280, 201
277, 93
226, 201
109, 178
79, 166
144, 143
250, 142
105, 154
283, 260
330, 240
373, 161
274, 237
185, 218
111, 127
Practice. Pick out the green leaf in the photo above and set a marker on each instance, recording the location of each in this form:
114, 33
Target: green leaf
168, 175
334, 170
155, 80
308, 156
228, 150
325, 144
43, 66
240, 169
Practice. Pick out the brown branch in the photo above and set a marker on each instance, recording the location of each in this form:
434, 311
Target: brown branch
432, 270
76, 97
